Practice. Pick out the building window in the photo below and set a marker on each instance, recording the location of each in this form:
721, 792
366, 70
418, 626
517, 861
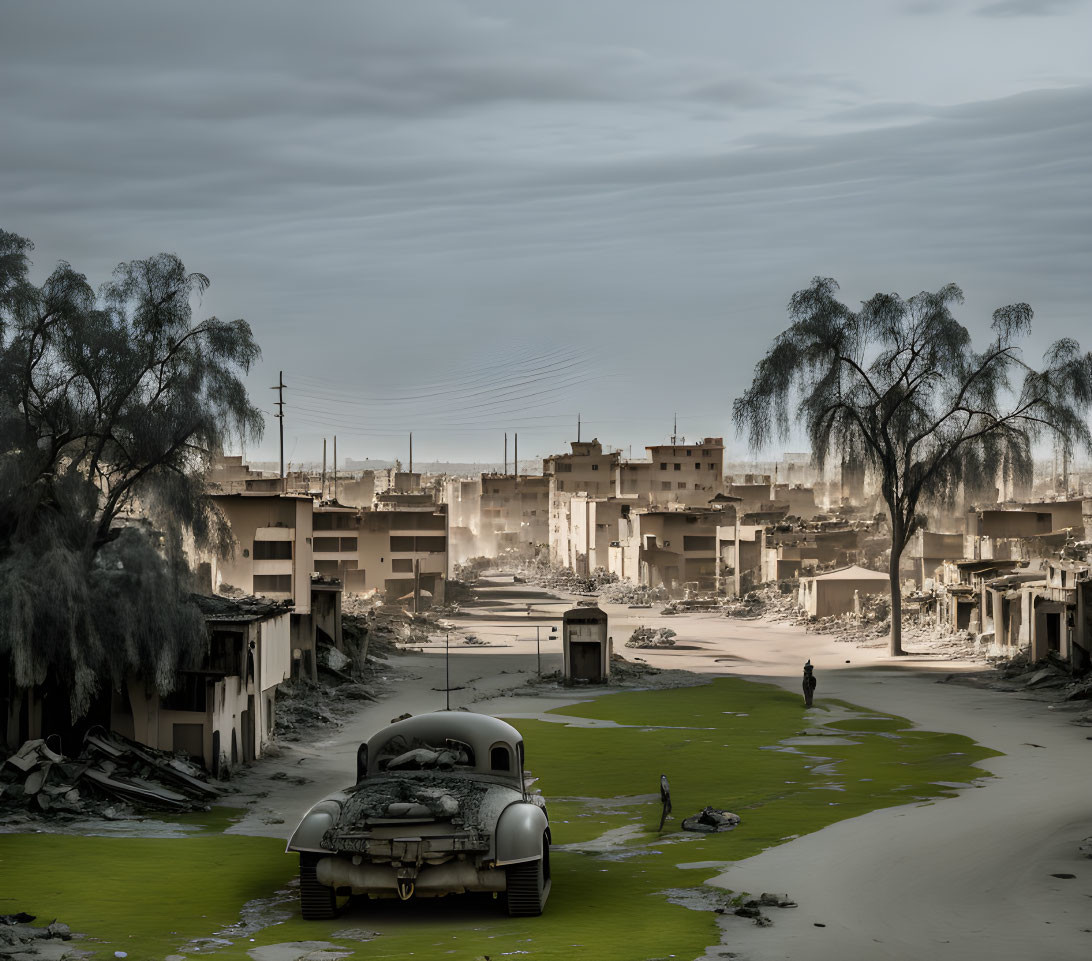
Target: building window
272, 583
682, 485
678, 467
189, 694
689, 453
326, 545
698, 542
712, 466
348, 544
705, 453
401, 565
665, 485
663, 466
595, 467
272, 550
698, 466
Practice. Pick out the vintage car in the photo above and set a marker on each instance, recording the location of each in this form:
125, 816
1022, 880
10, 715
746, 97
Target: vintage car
440, 806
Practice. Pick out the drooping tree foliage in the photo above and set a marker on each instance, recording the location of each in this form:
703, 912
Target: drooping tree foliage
111, 404
898, 386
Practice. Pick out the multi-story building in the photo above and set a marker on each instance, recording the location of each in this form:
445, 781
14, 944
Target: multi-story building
588, 469
394, 548
592, 528
514, 510
689, 473
273, 555
665, 548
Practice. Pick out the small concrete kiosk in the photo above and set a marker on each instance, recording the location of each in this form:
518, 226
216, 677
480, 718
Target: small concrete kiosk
585, 645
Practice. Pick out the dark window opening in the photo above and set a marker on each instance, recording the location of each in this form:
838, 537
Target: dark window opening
189, 694
500, 759
274, 583
272, 550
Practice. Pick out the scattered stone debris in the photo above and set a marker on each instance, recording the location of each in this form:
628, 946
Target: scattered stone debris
711, 820
747, 907
649, 637
111, 769
1085, 848
20, 939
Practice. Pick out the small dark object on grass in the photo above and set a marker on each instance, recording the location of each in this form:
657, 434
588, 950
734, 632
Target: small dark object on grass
710, 820
21, 918
809, 683
665, 799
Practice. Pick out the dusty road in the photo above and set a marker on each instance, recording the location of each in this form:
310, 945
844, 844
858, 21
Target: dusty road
968, 877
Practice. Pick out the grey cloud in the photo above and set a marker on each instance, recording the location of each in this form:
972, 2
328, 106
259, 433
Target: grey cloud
925, 8
1028, 8
419, 188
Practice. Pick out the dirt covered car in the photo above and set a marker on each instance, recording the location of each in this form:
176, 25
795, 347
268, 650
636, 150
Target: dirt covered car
440, 806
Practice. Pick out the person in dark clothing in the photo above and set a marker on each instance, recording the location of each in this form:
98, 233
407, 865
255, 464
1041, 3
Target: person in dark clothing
809, 684
665, 799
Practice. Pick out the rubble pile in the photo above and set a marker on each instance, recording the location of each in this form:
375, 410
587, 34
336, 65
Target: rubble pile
745, 907
19, 938
626, 592
649, 637
565, 580
711, 820
471, 569
112, 776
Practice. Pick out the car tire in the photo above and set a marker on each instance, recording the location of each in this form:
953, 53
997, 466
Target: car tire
317, 901
528, 885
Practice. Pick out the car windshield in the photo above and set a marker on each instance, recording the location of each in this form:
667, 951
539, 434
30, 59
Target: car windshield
403, 753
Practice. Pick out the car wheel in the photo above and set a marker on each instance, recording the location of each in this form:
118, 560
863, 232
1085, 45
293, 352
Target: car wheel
317, 901
529, 885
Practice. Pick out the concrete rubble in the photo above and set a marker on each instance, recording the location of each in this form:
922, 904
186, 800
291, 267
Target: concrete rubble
20, 940
652, 637
711, 820
112, 776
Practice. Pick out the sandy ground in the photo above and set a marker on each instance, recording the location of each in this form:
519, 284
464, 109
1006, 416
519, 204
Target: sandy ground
967, 877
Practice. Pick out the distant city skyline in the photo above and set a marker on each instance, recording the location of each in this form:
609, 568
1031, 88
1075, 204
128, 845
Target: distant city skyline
461, 218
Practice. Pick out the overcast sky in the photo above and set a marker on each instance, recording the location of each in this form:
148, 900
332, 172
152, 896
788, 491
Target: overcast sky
604, 203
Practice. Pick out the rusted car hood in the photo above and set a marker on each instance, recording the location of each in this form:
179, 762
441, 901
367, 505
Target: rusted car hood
466, 804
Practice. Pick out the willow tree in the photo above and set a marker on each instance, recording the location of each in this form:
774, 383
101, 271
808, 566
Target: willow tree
898, 386
111, 405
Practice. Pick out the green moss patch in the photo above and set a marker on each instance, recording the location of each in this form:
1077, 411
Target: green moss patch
721, 744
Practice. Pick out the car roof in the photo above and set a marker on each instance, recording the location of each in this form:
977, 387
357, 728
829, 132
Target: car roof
480, 731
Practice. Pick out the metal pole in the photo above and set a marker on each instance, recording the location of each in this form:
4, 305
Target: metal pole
538, 647
447, 670
279, 403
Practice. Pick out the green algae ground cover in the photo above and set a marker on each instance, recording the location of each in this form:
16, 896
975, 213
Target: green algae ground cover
750, 748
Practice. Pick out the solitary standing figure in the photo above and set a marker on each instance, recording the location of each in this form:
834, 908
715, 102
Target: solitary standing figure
809, 684
665, 799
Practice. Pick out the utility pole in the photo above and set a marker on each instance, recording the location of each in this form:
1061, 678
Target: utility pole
335, 468
322, 497
447, 670
279, 388
515, 458
506, 452
411, 451
538, 647
578, 428
416, 585
675, 429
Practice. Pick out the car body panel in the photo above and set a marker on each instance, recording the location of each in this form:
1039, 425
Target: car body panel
441, 809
